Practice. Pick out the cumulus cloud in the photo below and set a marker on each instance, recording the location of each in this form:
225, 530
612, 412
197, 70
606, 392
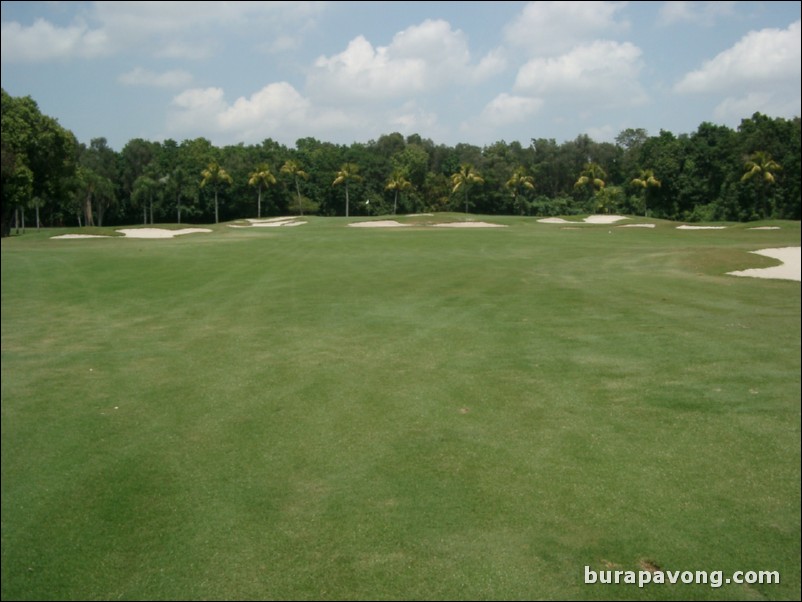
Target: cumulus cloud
506, 109
695, 13
44, 41
605, 72
277, 110
166, 29
167, 79
733, 109
759, 73
757, 59
420, 58
550, 28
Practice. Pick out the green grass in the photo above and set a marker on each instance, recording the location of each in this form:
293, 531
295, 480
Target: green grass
324, 412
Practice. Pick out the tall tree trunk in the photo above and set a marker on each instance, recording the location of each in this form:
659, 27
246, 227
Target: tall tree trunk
37, 217
216, 215
178, 204
298, 191
100, 214
88, 210
151, 210
16, 219
144, 214
395, 201
466, 200
346, 199
22, 210
259, 204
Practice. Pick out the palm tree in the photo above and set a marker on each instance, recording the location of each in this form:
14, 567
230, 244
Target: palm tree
215, 175
591, 176
398, 183
177, 184
465, 178
760, 165
293, 168
648, 181
144, 188
349, 172
519, 179
262, 177
591, 180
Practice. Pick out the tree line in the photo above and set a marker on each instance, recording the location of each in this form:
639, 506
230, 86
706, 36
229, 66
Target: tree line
714, 173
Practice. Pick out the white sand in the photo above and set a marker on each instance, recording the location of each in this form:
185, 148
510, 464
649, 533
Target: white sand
687, 227
276, 224
382, 223
591, 219
159, 232
259, 220
468, 225
637, 226
604, 219
764, 228
81, 236
420, 214
789, 269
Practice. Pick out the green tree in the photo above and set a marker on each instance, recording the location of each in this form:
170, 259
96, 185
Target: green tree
761, 168
261, 178
520, 181
38, 157
145, 187
464, 179
648, 182
100, 175
215, 175
293, 169
177, 184
397, 183
590, 180
349, 172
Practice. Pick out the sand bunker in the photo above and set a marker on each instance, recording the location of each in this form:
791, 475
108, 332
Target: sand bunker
271, 222
81, 236
268, 220
468, 225
687, 227
591, 219
159, 232
637, 226
764, 228
604, 219
788, 270
382, 223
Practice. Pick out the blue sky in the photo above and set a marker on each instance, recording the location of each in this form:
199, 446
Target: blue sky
475, 72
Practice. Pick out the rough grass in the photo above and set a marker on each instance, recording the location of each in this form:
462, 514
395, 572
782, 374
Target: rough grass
325, 412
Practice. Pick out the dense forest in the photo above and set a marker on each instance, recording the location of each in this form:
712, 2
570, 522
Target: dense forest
714, 173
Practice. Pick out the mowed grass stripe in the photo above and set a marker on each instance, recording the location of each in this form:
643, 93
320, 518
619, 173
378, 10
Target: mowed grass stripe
329, 412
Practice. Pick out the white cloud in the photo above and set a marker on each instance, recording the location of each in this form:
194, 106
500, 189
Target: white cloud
603, 72
506, 109
165, 29
733, 109
44, 41
695, 13
277, 110
602, 133
411, 119
167, 79
551, 28
756, 60
419, 59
